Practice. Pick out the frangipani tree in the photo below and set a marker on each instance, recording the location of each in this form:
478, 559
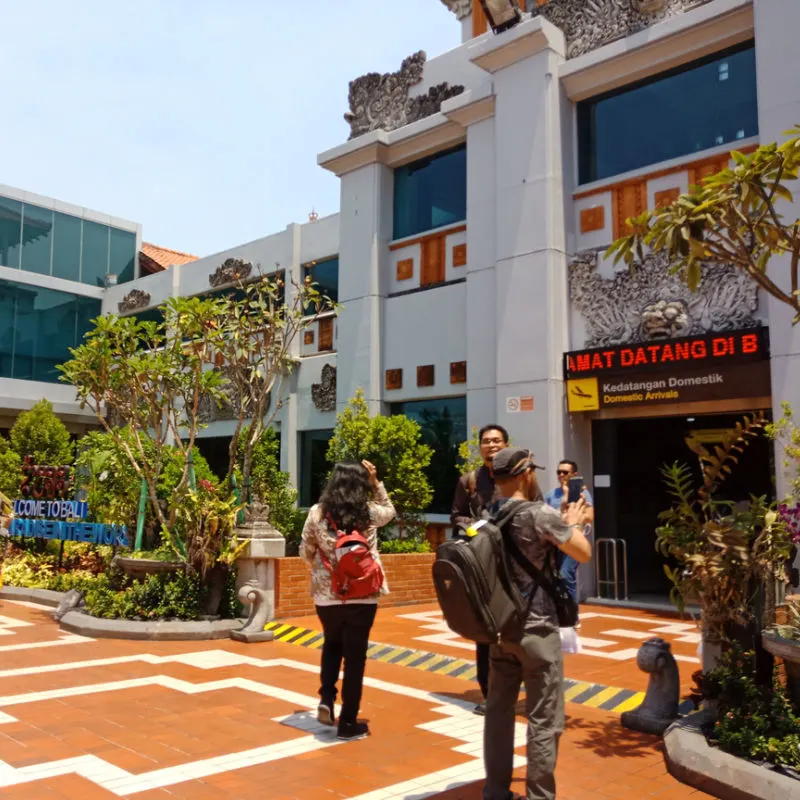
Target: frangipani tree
152, 378
735, 218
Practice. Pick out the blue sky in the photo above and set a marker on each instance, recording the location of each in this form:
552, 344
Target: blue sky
200, 119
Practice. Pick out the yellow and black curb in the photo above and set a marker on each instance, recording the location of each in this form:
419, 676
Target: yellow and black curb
608, 698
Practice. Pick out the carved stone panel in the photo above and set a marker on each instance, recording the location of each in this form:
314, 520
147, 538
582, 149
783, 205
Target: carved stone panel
232, 270
461, 8
651, 304
382, 101
134, 300
324, 393
589, 24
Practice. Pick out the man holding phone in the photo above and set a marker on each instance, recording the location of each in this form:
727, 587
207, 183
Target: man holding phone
569, 490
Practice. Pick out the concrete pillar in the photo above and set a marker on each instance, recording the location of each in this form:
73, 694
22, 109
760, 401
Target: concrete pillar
776, 25
530, 287
366, 215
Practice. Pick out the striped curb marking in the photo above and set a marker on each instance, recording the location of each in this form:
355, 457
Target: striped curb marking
608, 698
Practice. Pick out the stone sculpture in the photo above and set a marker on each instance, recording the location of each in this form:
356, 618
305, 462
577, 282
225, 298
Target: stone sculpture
382, 101
660, 707
324, 393
650, 302
134, 300
259, 599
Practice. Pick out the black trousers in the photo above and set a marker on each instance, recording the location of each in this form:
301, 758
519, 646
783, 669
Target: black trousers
346, 628
482, 667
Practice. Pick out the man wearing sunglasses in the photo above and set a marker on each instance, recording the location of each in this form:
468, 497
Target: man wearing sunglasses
557, 498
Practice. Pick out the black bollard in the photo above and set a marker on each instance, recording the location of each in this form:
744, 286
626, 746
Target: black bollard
660, 707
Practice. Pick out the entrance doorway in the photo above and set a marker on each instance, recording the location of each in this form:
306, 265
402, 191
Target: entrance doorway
628, 456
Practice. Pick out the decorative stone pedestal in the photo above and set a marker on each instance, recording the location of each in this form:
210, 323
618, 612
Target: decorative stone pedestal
660, 707
256, 574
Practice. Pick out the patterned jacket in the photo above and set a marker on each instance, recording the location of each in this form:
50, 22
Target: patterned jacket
317, 535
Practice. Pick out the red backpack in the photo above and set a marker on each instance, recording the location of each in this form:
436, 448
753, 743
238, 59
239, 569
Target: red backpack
354, 573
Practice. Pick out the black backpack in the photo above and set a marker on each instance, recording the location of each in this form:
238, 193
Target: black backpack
475, 584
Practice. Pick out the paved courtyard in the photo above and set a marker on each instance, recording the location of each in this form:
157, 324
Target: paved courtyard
84, 719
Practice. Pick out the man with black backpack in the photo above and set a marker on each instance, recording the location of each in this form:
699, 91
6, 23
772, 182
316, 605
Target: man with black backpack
531, 535
475, 493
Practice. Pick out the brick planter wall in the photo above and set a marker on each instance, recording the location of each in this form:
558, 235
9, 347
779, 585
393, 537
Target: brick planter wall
409, 578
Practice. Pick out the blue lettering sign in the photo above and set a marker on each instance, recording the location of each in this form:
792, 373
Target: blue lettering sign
91, 532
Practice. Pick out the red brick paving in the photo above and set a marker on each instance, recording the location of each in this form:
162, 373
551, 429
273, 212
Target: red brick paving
149, 727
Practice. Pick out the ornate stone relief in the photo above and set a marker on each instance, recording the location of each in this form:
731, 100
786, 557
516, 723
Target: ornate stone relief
324, 393
382, 101
232, 270
461, 8
134, 300
588, 24
651, 304
208, 411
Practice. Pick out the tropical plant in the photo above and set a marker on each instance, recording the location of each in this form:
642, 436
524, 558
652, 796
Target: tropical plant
733, 218
272, 485
727, 556
153, 378
394, 445
10, 463
40, 434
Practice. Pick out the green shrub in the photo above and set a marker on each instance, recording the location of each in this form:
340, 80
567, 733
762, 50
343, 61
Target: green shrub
753, 721
42, 435
10, 475
398, 546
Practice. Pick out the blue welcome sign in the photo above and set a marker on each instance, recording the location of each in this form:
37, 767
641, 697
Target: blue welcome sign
46, 512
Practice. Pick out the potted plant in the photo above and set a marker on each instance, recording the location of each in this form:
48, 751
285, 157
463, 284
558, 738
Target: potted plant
729, 558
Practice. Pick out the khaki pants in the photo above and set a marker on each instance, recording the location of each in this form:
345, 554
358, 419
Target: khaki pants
537, 662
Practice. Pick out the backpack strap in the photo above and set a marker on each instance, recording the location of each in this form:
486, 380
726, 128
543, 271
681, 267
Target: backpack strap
507, 513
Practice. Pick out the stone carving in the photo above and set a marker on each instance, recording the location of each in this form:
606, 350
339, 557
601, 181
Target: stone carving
650, 303
660, 706
134, 300
73, 600
259, 600
208, 411
232, 270
324, 393
589, 24
382, 101
461, 8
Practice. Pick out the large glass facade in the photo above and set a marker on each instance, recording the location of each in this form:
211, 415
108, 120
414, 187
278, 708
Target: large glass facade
37, 328
444, 427
430, 193
48, 242
704, 104
326, 275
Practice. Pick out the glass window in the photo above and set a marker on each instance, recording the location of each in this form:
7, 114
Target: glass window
38, 327
444, 427
94, 262
651, 121
430, 193
326, 275
10, 232
314, 465
37, 239
66, 247
123, 255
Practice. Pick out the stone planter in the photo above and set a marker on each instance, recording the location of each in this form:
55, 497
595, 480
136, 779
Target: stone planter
140, 568
789, 651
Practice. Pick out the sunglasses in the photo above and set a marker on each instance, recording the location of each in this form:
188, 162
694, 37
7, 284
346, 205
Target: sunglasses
562, 472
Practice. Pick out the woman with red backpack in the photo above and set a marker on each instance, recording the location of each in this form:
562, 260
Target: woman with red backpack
340, 542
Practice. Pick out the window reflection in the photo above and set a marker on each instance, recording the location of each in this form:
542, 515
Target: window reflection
704, 104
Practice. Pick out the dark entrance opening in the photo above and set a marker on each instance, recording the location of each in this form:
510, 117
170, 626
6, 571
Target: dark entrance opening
631, 453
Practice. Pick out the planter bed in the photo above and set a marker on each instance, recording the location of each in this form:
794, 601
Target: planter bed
149, 630
693, 760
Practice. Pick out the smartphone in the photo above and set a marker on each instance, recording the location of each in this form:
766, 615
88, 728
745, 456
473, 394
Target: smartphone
575, 489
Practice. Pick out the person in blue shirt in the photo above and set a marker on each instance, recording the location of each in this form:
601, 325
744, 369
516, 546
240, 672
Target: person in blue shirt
557, 498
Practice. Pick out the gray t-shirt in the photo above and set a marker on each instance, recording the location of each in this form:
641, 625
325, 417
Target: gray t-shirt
537, 528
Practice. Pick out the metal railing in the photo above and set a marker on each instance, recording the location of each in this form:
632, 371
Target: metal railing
607, 568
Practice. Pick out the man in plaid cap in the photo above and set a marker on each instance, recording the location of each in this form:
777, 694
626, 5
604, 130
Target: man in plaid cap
539, 532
